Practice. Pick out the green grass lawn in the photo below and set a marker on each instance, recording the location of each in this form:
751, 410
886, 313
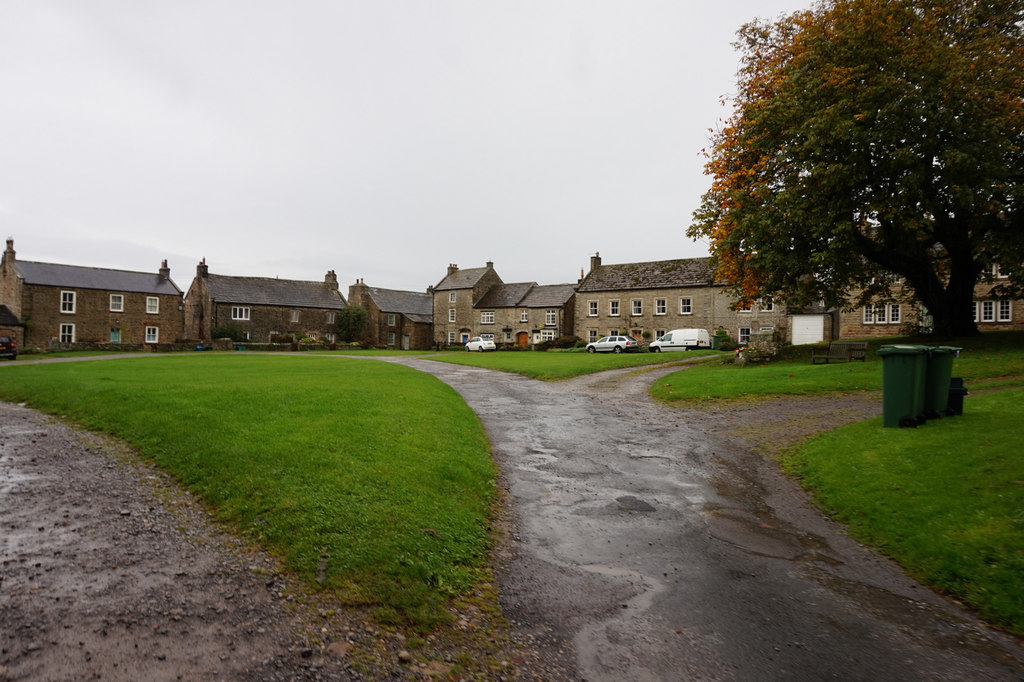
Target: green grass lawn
379, 472
556, 365
946, 500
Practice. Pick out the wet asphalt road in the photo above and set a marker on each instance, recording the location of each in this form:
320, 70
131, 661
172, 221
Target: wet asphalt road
663, 551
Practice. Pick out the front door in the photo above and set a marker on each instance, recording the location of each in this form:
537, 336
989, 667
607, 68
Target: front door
522, 339
405, 342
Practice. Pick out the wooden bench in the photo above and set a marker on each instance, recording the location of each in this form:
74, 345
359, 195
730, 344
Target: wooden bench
842, 351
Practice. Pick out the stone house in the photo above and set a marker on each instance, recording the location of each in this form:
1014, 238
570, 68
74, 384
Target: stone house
476, 302
455, 298
64, 306
264, 309
397, 319
645, 300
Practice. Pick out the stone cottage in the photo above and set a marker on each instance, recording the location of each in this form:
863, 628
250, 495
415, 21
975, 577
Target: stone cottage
396, 318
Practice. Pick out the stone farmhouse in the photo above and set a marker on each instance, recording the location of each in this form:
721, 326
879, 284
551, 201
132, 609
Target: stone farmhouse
264, 309
475, 302
645, 300
57, 306
397, 319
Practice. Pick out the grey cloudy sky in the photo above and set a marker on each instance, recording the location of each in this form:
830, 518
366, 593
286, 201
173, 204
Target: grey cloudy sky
383, 139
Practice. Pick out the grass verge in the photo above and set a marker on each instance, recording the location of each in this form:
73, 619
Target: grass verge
370, 479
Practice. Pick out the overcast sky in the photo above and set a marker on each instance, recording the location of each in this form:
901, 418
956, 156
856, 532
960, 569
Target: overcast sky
382, 139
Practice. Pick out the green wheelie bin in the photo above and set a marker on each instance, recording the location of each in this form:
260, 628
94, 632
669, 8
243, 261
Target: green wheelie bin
938, 372
903, 379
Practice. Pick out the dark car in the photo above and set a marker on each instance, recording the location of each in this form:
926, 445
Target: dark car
8, 349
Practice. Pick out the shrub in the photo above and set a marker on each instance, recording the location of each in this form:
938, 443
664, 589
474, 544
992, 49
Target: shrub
229, 331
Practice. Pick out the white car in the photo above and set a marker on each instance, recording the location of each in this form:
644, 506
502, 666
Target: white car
614, 344
480, 344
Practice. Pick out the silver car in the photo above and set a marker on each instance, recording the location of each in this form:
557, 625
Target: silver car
613, 344
481, 344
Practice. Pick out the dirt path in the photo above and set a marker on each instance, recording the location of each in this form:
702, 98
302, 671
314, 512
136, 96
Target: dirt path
642, 543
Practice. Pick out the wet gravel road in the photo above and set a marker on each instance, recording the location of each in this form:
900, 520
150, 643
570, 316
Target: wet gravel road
663, 549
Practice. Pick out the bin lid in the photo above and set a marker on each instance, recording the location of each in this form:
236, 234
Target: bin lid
947, 349
903, 349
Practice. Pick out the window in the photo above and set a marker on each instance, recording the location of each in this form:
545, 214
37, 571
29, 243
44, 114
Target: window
451, 314
67, 333
869, 314
524, 316
391, 319
330, 337
591, 335
999, 273
1005, 312
613, 308
613, 332
658, 333
766, 305
295, 316
331, 317
638, 307
743, 308
744, 335
550, 317
391, 338
451, 297
239, 313
894, 313
115, 336
685, 306
152, 305
487, 317
116, 305
660, 306
988, 311
152, 334
451, 337
487, 337
591, 308
67, 301
547, 334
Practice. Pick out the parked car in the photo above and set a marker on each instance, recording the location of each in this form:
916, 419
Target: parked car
682, 339
480, 344
8, 349
613, 344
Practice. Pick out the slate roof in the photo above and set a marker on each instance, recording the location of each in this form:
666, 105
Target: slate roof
549, 296
505, 295
271, 291
461, 279
79, 277
663, 274
408, 303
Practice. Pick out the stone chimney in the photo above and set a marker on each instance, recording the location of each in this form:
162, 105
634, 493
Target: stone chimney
490, 265
452, 267
8, 257
430, 289
202, 270
331, 280
165, 271
358, 294
595, 261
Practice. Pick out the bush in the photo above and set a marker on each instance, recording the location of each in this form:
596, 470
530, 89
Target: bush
229, 331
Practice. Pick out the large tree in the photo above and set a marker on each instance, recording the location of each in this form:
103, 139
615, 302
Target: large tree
873, 138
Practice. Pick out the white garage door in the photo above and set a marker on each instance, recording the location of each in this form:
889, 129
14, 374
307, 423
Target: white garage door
808, 329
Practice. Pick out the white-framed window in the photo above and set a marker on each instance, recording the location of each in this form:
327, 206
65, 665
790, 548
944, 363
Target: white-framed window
330, 337
767, 329
547, 334
295, 316
524, 316
67, 302
451, 337
591, 308
591, 335
451, 314
895, 314
1004, 311
637, 307
766, 305
550, 317
613, 308
239, 312
115, 336
152, 334
392, 319
869, 314
658, 333
685, 306
999, 273
613, 332
487, 317
660, 306
743, 308
744, 335
152, 305
67, 333
451, 297
988, 311
391, 338
116, 304
331, 317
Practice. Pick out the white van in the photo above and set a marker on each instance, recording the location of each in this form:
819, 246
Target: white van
682, 339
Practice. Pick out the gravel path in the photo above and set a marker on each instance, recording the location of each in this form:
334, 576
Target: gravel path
638, 542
